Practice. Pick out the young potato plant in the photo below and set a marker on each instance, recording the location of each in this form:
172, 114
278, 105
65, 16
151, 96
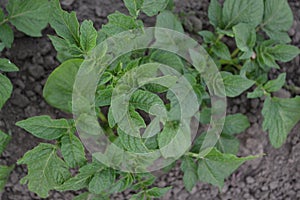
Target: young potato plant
29, 17
260, 33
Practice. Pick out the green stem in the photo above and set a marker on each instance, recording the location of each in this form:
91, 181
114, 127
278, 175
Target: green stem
235, 52
190, 154
4, 21
102, 117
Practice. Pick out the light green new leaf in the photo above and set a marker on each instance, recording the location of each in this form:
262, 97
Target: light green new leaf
102, 181
216, 166
5, 89
65, 24
221, 50
235, 124
167, 19
153, 7
208, 36
215, 13
6, 35
280, 116
245, 37
275, 85
4, 140
72, 150
278, 19
59, 86
45, 169
190, 177
44, 127
235, 84
284, 53
29, 16
119, 22
157, 192
242, 11
4, 174
7, 66
134, 6
88, 36
82, 179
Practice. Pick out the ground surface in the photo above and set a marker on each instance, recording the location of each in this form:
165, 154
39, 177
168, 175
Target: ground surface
275, 176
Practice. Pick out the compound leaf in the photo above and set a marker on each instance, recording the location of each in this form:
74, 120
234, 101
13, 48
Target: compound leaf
44, 127
215, 13
216, 166
29, 16
134, 6
245, 37
284, 53
102, 181
45, 169
280, 116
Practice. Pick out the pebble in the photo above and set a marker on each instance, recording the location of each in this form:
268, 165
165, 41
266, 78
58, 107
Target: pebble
250, 180
36, 71
19, 100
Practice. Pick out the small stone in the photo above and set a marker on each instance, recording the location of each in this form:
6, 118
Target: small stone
36, 71
67, 2
273, 185
250, 180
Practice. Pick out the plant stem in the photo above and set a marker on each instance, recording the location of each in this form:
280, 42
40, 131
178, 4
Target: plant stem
4, 21
235, 52
194, 155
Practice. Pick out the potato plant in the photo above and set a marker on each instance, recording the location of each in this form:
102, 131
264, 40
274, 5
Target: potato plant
29, 17
260, 35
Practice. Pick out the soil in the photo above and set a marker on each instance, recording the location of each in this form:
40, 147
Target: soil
274, 176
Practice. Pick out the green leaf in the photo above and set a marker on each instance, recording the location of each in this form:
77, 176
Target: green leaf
59, 86
29, 16
228, 144
103, 97
284, 53
45, 169
245, 37
72, 150
235, 124
134, 6
65, 24
166, 19
119, 22
208, 37
146, 101
6, 35
153, 7
215, 13
221, 50
102, 181
235, 84
190, 177
88, 36
90, 196
4, 174
167, 58
257, 93
5, 89
7, 66
82, 179
4, 140
278, 19
44, 127
275, 85
157, 192
216, 166
280, 116
122, 184
242, 11
131, 143
174, 140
